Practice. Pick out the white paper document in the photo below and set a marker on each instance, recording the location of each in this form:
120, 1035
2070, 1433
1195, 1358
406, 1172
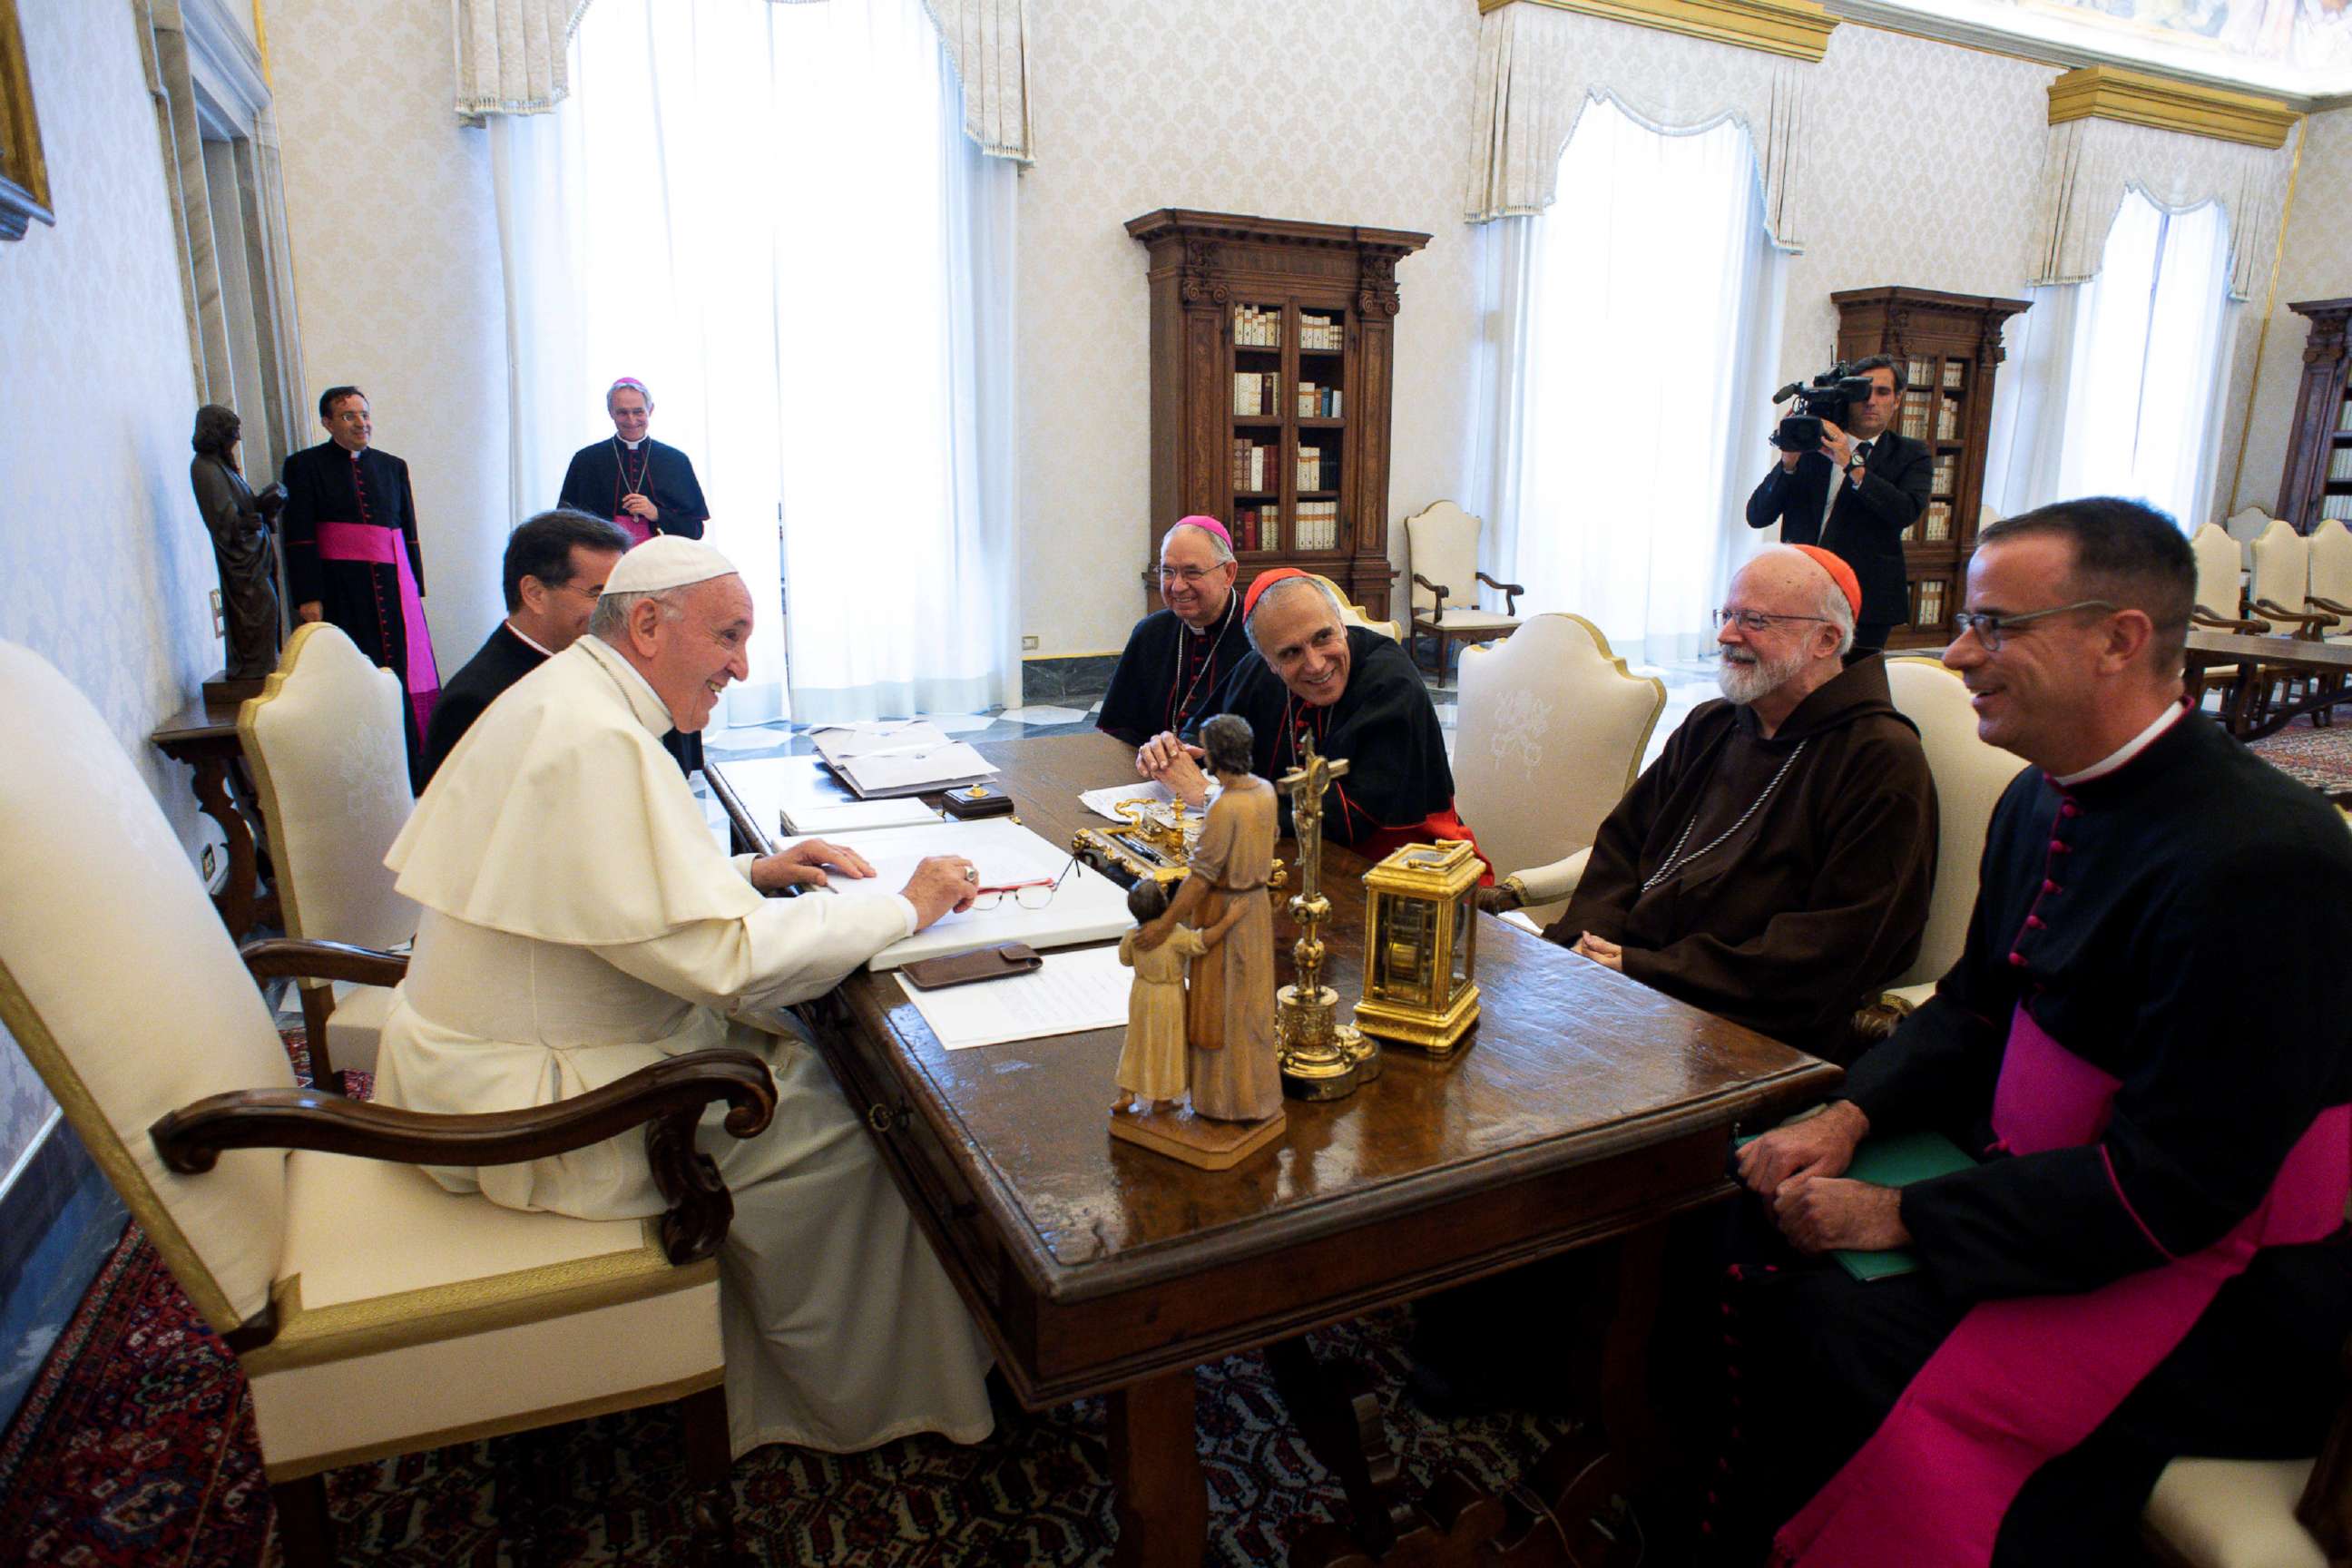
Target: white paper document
1072, 992
800, 794
1105, 802
1086, 907
898, 756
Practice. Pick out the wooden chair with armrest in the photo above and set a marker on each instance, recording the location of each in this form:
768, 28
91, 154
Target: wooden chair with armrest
1548, 739
329, 768
1355, 615
373, 1312
2279, 591
2220, 600
1444, 544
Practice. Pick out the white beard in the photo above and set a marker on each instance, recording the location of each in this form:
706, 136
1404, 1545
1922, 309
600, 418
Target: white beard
1744, 683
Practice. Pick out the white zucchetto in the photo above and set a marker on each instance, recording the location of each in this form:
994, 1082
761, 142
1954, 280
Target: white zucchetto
667, 561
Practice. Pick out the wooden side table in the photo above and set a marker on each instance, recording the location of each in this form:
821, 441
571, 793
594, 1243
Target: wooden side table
204, 736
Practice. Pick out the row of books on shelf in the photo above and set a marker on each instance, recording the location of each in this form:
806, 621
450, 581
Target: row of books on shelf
1948, 475
1256, 327
1935, 525
1255, 467
1257, 527
2339, 464
1931, 602
1922, 373
1317, 402
1318, 525
1259, 392
2336, 507
1319, 331
1920, 413
1313, 466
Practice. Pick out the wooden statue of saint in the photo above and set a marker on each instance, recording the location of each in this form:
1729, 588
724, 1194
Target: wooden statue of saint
243, 549
1236, 1084
1155, 1068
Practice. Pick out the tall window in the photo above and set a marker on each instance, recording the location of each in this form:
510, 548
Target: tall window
2121, 380
1634, 329
771, 215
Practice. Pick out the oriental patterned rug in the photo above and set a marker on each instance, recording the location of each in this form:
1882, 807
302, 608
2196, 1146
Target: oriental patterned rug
136, 1446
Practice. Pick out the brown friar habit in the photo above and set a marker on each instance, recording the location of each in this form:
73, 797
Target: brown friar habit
1788, 920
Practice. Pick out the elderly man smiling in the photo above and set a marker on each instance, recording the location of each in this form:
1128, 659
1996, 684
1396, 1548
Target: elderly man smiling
579, 924
1178, 658
1354, 694
1773, 865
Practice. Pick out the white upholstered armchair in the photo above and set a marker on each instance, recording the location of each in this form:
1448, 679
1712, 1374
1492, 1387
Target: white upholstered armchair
1444, 544
331, 766
1548, 739
373, 1312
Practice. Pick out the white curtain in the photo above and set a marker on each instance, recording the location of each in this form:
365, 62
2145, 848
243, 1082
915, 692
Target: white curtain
769, 214
1631, 335
2123, 378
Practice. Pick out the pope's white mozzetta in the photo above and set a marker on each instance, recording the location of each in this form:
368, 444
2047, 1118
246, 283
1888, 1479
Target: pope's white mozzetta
579, 924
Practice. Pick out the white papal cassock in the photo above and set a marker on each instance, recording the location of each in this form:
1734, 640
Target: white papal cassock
579, 923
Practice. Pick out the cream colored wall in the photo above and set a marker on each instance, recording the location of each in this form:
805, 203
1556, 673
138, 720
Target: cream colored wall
104, 566
1336, 110
394, 234
2316, 265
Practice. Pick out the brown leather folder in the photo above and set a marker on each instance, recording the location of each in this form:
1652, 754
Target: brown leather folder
979, 963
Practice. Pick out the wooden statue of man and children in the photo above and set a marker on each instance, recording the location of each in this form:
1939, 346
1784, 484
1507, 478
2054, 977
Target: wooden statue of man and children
1217, 1042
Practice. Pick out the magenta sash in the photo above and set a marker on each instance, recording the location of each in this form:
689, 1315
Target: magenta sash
2020, 1380
381, 546
636, 527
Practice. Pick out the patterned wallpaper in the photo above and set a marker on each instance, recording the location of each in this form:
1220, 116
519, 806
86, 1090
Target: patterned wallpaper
104, 566
395, 234
1333, 111
2317, 265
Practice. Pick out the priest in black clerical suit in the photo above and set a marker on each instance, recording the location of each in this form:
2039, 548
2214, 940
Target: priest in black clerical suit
644, 487
1176, 658
1881, 482
555, 567
352, 559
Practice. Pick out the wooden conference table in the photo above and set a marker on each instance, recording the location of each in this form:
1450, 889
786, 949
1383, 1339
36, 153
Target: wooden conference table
2258, 658
1586, 1107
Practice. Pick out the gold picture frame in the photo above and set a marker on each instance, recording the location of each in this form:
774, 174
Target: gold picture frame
23, 172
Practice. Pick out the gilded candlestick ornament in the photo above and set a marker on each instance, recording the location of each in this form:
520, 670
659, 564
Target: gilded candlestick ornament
1321, 1059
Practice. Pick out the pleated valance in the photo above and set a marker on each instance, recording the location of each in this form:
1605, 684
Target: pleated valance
2090, 164
1538, 67
511, 57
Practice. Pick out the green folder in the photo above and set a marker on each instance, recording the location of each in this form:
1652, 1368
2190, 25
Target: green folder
1895, 1161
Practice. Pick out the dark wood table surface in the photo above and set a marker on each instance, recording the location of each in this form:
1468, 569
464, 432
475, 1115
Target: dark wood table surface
2257, 658
1585, 1107
204, 735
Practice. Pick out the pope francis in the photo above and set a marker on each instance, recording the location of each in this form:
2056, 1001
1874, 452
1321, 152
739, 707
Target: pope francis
578, 923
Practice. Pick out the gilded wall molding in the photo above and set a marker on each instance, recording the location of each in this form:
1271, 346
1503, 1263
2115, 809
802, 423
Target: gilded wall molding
1797, 28
2111, 93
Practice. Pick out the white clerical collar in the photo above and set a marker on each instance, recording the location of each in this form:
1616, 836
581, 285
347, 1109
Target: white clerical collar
644, 700
525, 637
2173, 713
632, 446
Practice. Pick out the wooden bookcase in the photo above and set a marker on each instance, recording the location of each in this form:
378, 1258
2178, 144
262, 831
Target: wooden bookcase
1305, 311
2317, 482
1950, 344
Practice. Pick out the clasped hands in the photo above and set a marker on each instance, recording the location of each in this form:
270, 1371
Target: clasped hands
636, 505
941, 885
1169, 761
1800, 1169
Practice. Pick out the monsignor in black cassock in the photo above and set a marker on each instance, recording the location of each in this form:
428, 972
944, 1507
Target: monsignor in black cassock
2181, 924
1170, 674
1398, 788
362, 598
501, 660
604, 471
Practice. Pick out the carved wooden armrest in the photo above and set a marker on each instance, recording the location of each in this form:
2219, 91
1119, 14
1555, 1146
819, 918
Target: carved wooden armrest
281, 957
2309, 624
1437, 610
2201, 616
2330, 605
667, 1099
2325, 1509
1511, 592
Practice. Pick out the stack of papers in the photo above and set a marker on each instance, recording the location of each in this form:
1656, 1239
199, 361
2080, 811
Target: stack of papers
881, 758
1071, 992
802, 795
1087, 907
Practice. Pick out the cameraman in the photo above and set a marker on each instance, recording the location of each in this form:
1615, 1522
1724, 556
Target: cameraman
1853, 498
